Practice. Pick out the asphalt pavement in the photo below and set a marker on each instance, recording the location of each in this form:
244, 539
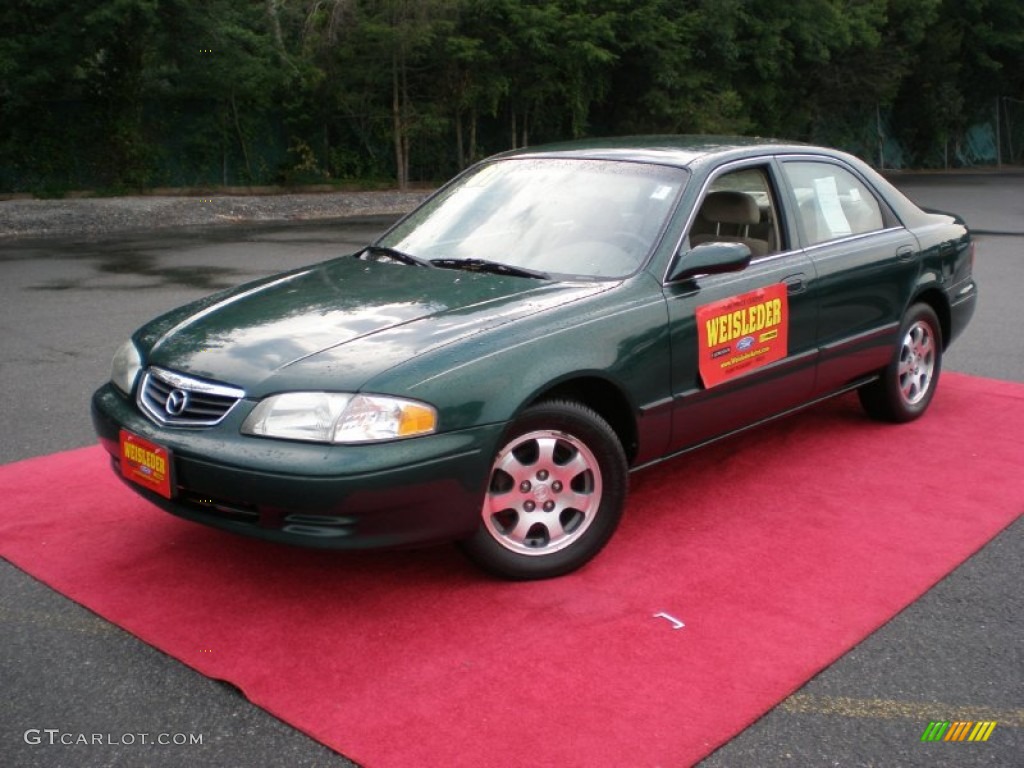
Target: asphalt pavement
65, 305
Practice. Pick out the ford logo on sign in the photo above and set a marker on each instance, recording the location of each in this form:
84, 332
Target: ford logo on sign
745, 343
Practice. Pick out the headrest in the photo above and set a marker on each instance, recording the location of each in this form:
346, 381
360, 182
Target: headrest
730, 207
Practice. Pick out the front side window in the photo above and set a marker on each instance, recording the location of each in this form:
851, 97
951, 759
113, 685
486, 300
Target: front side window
739, 207
832, 202
560, 216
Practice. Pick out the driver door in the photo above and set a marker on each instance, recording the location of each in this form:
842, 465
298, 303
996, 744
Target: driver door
744, 343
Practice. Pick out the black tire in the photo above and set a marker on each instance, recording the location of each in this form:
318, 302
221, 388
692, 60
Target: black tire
907, 385
555, 495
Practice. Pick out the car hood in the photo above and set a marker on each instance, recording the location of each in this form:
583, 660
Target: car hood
336, 325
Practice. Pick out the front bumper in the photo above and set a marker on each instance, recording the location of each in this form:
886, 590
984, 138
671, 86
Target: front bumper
402, 493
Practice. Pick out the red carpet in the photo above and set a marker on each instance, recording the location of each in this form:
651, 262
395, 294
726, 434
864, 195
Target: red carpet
778, 550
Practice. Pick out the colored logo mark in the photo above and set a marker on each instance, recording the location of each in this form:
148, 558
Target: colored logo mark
960, 730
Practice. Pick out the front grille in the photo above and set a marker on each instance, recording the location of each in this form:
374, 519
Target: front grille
176, 400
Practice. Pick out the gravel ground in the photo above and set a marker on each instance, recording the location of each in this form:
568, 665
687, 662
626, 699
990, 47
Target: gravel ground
92, 216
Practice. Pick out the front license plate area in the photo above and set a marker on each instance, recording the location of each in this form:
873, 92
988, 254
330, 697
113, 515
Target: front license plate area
146, 463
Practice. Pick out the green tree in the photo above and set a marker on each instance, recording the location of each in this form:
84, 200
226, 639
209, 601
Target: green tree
380, 67
137, 92
122, 67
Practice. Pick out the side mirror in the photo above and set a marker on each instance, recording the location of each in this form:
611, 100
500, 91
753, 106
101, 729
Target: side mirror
710, 259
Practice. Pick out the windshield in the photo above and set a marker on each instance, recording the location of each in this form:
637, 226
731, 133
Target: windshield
586, 218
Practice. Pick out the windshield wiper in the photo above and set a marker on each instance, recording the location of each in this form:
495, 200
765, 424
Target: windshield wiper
483, 265
397, 255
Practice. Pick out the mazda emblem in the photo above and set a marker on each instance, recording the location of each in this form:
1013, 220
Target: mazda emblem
177, 402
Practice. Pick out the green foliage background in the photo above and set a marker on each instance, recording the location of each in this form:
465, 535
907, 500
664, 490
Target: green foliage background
129, 94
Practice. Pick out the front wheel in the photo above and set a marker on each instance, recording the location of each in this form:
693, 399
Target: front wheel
908, 383
555, 494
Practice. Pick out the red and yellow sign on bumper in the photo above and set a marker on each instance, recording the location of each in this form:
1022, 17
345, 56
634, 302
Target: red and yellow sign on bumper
742, 333
146, 463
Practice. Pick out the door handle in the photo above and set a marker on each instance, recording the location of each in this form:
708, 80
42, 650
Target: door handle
795, 284
905, 252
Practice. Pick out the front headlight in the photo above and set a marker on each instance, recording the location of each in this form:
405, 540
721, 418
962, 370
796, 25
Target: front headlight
335, 417
125, 367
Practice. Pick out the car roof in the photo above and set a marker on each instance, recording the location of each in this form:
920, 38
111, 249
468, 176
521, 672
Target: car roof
678, 150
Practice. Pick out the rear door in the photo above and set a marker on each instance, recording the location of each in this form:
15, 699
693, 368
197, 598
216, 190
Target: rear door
866, 264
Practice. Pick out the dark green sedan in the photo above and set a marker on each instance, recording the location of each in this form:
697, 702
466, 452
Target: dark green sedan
493, 368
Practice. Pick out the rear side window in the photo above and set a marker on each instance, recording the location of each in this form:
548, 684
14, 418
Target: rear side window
832, 202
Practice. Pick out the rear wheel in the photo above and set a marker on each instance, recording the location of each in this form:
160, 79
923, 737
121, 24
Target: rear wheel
555, 494
907, 385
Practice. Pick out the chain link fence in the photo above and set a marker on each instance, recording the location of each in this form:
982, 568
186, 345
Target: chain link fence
207, 144
993, 139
